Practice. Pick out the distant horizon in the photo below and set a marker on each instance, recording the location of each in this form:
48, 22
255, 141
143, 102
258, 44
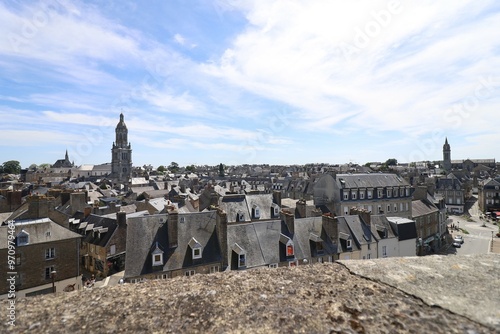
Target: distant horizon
241, 82
250, 164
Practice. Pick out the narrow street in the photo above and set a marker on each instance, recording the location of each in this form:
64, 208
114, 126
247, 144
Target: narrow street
479, 235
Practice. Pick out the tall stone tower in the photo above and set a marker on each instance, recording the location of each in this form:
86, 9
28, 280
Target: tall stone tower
121, 156
446, 156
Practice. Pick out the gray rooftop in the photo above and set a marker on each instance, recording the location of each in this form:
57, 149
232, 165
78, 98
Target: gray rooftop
40, 231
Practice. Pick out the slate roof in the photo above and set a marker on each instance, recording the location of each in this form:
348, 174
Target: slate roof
260, 241
234, 204
359, 230
422, 208
263, 202
98, 223
311, 229
371, 180
405, 228
345, 232
144, 232
379, 224
37, 230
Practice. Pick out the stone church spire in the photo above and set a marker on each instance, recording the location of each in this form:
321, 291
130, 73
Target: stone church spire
121, 155
446, 156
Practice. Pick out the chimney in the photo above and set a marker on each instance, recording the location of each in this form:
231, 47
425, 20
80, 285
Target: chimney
364, 214
331, 227
172, 221
87, 211
277, 198
300, 209
38, 206
64, 197
420, 193
221, 226
78, 201
289, 220
121, 219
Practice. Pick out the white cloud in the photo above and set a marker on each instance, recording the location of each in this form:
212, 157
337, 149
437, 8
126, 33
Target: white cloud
428, 56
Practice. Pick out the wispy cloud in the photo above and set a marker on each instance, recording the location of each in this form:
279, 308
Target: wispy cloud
253, 79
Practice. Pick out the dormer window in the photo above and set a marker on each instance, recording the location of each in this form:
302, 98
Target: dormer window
348, 244
317, 244
289, 250
240, 257
255, 212
196, 248
23, 238
380, 193
288, 243
389, 193
242, 260
354, 194
275, 210
157, 256
240, 217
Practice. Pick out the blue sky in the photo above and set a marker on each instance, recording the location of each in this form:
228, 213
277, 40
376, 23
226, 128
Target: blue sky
244, 82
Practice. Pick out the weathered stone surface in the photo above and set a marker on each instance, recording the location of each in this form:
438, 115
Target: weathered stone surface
319, 298
467, 285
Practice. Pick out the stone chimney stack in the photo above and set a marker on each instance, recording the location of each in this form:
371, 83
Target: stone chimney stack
78, 201
221, 227
300, 209
121, 219
172, 226
331, 226
39, 206
87, 211
277, 198
289, 220
364, 214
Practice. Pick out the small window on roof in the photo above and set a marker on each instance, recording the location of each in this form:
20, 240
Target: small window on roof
348, 244
23, 238
157, 256
242, 260
196, 248
289, 250
255, 212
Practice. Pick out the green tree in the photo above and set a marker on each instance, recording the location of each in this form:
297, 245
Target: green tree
191, 168
174, 167
43, 166
391, 162
161, 169
11, 167
33, 167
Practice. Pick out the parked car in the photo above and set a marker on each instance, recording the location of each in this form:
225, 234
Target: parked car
459, 239
457, 244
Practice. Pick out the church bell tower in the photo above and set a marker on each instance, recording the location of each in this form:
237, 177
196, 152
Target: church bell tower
446, 156
121, 156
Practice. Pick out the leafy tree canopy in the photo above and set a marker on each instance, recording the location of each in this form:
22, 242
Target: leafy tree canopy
391, 162
11, 167
174, 167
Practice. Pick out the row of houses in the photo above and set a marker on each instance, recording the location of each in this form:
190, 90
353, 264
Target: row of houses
171, 244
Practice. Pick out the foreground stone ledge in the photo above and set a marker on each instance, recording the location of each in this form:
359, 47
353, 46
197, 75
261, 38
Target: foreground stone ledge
468, 285
319, 298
